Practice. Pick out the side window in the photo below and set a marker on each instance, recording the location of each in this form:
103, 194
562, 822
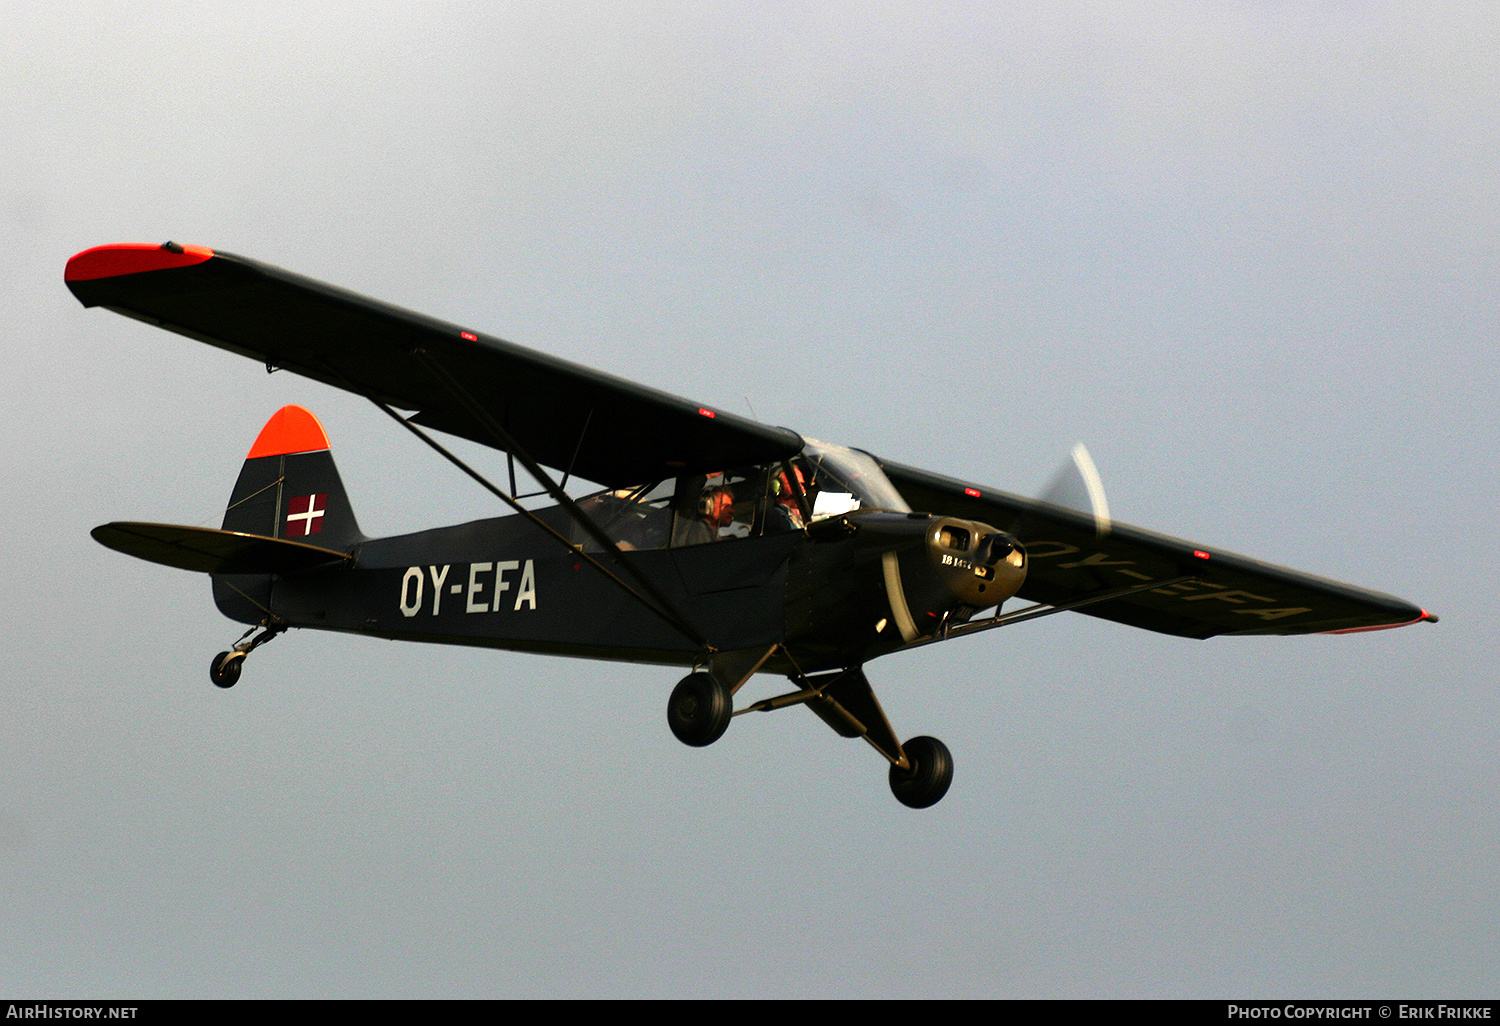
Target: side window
632, 518
718, 507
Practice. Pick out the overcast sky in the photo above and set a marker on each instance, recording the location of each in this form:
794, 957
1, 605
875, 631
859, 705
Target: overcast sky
1246, 252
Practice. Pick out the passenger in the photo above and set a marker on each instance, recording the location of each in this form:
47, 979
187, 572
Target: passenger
715, 511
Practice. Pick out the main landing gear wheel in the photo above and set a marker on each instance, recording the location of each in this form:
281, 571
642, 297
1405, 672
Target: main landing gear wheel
698, 711
931, 772
224, 671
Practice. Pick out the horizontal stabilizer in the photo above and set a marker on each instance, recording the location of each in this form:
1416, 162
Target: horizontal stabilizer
208, 550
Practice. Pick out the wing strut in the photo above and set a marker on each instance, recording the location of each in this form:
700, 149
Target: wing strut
665, 610
662, 605
1046, 609
653, 600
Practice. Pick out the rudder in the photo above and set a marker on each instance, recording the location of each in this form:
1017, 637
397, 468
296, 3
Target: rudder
289, 487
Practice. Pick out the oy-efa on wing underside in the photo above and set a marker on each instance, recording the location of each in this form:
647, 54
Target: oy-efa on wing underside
1206, 591
569, 417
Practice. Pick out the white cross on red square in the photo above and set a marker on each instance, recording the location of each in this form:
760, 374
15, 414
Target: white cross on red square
304, 515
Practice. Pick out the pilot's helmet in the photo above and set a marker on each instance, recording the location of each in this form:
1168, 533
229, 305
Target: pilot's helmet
781, 485
716, 504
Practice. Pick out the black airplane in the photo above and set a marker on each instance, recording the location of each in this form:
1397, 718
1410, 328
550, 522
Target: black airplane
715, 543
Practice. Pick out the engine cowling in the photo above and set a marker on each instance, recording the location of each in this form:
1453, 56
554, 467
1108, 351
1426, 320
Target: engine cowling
874, 581
978, 564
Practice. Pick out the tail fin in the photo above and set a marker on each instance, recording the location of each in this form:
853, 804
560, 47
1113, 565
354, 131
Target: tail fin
288, 488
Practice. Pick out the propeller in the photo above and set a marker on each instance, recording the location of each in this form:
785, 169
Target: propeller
1076, 486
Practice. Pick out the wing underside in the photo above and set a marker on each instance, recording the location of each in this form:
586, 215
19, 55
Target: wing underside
1068, 559
565, 416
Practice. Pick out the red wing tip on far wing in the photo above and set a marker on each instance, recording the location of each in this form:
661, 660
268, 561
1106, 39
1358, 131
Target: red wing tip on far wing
132, 258
1426, 617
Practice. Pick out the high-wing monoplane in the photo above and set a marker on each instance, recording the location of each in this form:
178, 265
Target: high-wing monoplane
713, 543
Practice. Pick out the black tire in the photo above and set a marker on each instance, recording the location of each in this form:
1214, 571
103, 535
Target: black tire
698, 711
930, 775
224, 671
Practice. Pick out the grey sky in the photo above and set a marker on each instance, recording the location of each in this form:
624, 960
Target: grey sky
1246, 252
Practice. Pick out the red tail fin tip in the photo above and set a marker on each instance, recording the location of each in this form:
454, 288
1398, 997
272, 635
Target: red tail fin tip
290, 429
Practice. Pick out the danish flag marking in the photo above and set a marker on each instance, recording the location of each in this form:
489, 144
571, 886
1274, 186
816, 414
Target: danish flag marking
305, 515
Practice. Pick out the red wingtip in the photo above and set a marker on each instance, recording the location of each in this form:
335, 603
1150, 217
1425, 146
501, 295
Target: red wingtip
1426, 617
290, 429
132, 258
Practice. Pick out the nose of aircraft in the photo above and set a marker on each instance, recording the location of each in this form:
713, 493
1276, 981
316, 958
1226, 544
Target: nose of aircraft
979, 565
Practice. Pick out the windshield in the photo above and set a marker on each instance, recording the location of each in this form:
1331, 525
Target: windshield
840, 480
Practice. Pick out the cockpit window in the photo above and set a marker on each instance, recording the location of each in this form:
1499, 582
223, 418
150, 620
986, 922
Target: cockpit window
632, 518
820, 482
839, 480
719, 506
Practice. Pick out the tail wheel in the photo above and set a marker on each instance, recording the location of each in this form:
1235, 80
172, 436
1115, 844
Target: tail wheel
698, 711
224, 671
931, 773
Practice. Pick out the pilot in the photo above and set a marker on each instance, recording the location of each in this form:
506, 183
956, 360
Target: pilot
715, 511
785, 514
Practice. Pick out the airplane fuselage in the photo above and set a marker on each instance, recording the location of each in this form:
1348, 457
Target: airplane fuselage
502, 583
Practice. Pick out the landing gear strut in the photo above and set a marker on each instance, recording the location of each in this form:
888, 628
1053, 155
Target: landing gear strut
698, 711
225, 669
701, 705
931, 773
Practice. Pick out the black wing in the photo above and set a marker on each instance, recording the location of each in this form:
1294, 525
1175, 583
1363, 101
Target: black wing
1230, 594
599, 427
